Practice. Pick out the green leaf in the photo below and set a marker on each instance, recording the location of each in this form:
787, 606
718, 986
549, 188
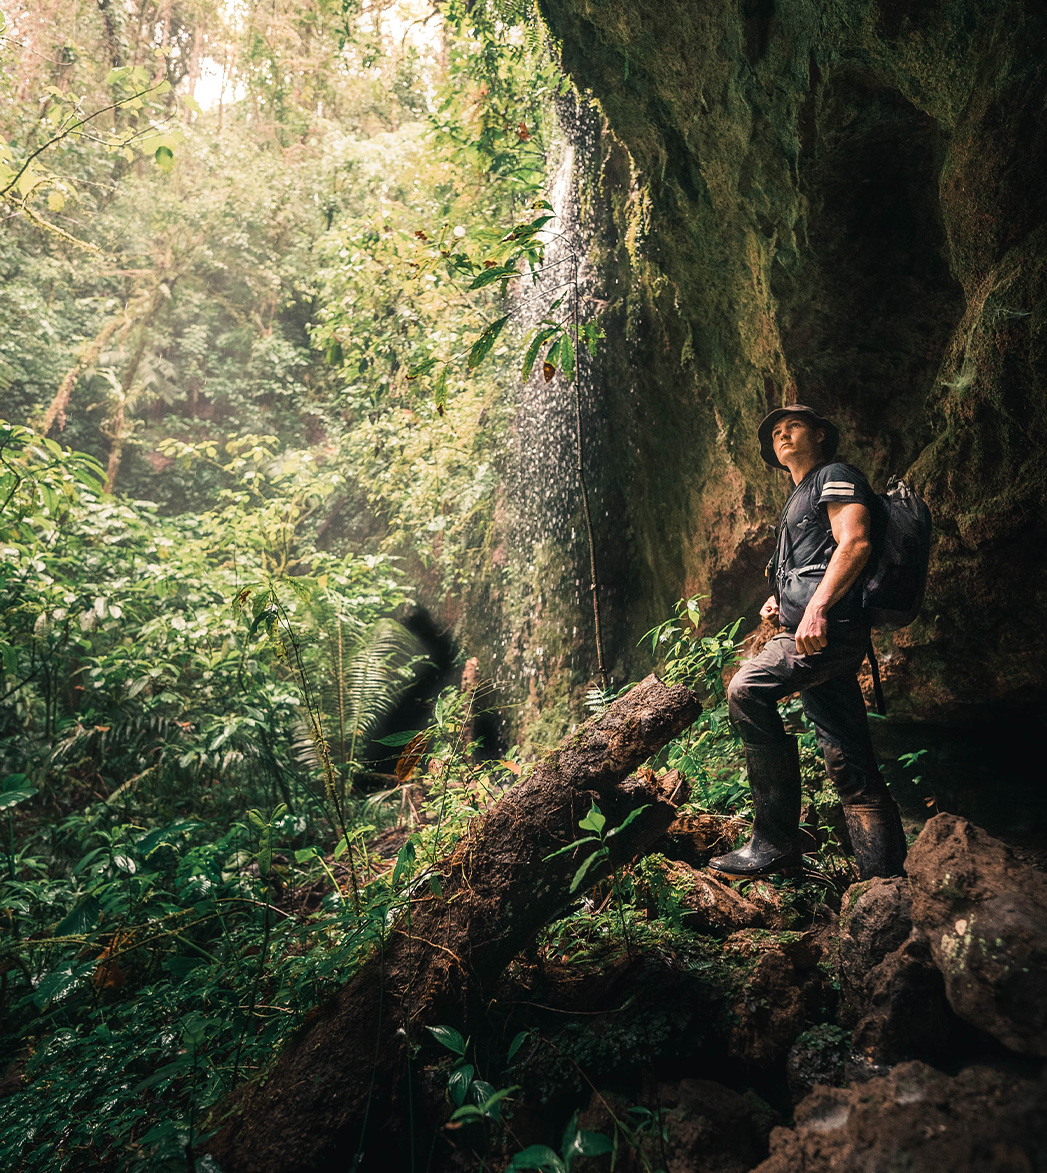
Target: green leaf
164, 157
80, 920
537, 1156
591, 1144
11, 798
537, 342
396, 740
467, 1112
629, 818
422, 368
60, 982
595, 820
482, 346
484, 1093
440, 390
570, 847
495, 273
567, 357
448, 1037
458, 1084
404, 859
517, 1043
579, 875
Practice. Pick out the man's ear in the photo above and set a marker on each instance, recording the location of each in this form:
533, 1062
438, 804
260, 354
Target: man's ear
819, 437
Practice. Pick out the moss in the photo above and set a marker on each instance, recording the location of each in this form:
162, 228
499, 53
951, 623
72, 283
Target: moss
825, 205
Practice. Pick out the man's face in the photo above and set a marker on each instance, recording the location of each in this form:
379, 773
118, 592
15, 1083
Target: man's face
795, 438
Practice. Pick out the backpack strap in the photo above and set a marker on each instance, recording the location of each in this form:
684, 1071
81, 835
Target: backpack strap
881, 706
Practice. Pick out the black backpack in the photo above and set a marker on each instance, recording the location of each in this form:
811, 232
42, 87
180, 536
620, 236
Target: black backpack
895, 585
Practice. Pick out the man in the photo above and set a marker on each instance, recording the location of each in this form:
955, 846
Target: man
825, 538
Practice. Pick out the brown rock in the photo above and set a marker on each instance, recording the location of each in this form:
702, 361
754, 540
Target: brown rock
783, 996
712, 905
919, 1120
875, 919
985, 917
906, 1014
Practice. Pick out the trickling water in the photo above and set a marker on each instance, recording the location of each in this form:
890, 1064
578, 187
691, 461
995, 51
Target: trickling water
550, 542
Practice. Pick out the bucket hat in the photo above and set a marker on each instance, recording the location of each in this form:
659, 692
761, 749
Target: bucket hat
832, 432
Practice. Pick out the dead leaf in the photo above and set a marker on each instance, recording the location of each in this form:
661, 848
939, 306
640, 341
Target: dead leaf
412, 751
548, 370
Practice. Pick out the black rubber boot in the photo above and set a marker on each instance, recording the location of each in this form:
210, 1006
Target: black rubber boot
874, 822
774, 779
877, 837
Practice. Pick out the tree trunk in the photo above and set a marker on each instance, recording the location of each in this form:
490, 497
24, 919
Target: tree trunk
337, 1081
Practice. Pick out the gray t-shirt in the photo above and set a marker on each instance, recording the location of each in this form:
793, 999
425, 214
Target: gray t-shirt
806, 543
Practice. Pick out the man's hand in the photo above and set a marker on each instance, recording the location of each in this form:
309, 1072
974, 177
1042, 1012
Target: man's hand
851, 531
813, 633
770, 609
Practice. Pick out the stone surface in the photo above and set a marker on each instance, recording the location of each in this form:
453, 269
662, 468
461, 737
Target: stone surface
985, 917
712, 905
905, 1014
830, 203
782, 997
875, 919
919, 1120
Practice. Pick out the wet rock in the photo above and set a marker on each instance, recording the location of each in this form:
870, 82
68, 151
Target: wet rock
985, 917
784, 995
819, 1056
712, 905
920, 1120
875, 919
694, 1126
906, 1014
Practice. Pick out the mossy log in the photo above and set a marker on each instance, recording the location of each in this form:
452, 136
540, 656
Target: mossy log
335, 1088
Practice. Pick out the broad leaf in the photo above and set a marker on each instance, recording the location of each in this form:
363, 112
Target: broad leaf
482, 346
537, 342
458, 1084
448, 1037
629, 818
538, 1156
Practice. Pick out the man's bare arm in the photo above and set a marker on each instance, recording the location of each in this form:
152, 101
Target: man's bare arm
851, 530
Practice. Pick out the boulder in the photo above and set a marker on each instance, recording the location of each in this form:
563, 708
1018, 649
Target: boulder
875, 919
783, 996
985, 917
917, 1119
906, 1014
709, 904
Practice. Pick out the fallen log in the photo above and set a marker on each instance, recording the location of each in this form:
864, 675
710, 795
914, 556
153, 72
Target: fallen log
334, 1088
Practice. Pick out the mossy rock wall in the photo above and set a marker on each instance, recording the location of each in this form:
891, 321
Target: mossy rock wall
842, 203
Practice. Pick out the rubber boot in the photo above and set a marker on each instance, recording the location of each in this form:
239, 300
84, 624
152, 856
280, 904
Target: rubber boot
877, 837
874, 822
774, 779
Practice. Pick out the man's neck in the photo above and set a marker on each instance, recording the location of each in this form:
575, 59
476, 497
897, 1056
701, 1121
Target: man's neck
798, 469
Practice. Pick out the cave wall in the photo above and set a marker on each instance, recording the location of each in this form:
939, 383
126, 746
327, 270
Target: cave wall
843, 203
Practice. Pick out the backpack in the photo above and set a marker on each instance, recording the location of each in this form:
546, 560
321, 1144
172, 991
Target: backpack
895, 585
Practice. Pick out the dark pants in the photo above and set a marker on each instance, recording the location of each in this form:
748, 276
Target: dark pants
827, 682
